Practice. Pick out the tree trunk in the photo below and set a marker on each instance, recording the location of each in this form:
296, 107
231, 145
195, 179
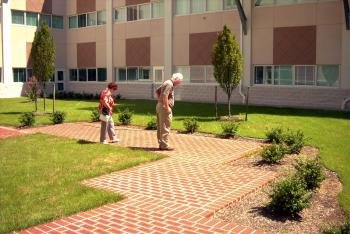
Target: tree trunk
229, 104
36, 102
44, 86
53, 98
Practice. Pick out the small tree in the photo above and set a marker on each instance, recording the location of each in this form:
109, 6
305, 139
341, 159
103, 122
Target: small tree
227, 61
43, 56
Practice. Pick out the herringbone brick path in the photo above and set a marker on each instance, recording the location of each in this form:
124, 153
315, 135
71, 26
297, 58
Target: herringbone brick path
178, 194
8, 132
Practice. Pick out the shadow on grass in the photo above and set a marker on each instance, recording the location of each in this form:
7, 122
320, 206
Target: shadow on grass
11, 113
85, 142
144, 148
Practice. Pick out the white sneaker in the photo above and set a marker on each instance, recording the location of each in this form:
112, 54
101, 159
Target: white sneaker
104, 142
115, 140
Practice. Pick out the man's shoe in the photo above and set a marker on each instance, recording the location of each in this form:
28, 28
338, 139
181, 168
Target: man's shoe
104, 142
115, 140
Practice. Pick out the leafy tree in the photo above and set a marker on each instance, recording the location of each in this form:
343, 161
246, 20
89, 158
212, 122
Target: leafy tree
228, 63
43, 56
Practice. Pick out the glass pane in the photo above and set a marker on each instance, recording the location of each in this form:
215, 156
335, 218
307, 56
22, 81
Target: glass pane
197, 75
46, 19
268, 75
101, 17
60, 76
92, 74
144, 11
91, 19
214, 5
102, 74
32, 19
283, 75
60, 86
82, 20
185, 71
328, 75
131, 13
259, 75
82, 74
120, 15
198, 6
229, 4
304, 75
132, 73
57, 21
19, 75
73, 22
182, 7
210, 74
158, 75
121, 74
264, 2
17, 17
145, 73
73, 76
158, 9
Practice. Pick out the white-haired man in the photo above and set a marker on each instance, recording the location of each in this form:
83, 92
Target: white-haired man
165, 94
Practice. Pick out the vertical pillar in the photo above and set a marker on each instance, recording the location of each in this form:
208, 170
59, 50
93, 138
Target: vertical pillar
246, 43
168, 45
6, 42
345, 68
109, 40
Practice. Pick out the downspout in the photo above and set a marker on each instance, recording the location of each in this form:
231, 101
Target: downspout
241, 46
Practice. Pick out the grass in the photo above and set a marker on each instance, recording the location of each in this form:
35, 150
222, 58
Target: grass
40, 177
328, 130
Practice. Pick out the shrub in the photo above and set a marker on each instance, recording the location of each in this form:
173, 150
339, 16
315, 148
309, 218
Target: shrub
275, 135
152, 124
295, 141
95, 115
311, 172
27, 119
125, 117
229, 129
273, 153
58, 117
343, 229
191, 125
118, 96
289, 196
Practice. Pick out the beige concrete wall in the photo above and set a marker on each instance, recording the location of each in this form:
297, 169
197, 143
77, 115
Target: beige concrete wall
328, 44
71, 7
20, 35
59, 7
136, 29
345, 68
18, 5
118, 3
100, 5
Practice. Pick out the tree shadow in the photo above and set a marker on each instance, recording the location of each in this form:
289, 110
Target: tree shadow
85, 142
268, 213
11, 113
144, 148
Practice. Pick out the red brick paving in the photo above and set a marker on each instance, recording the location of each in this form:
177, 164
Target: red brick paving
9, 132
178, 194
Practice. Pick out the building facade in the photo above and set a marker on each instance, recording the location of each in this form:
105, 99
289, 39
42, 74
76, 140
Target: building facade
296, 52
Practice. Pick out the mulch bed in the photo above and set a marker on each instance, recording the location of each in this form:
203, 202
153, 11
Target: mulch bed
324, 209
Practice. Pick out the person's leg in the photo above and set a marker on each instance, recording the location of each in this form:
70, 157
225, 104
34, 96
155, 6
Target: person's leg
165, 123
111, 130
158, 123
103, 132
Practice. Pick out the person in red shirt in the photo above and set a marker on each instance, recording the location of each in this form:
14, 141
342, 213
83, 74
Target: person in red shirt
106, 108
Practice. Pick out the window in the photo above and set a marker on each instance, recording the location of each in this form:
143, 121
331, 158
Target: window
158, 9
60, 76
17, 17
19, 75
91, 19
131, 13
283, 75
101, 17
145, 73
102, 74
210, 74
263, 75
121, 74
305, 75
328, 75
82, 74
73, 21
31, 19
182, 7
82, 20
92, 74
144, 11
132, 73
198, 6
57, 21
73, 75
229, 4
120, 14
197, 74
214, 5
46, 19
185, 71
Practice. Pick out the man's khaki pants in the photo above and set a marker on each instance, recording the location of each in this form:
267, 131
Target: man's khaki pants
164, 119
107, 127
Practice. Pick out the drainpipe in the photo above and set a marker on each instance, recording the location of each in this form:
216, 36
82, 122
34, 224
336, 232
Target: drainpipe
241, 46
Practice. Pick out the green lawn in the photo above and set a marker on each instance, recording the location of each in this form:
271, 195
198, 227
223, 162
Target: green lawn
40, 177
328, 130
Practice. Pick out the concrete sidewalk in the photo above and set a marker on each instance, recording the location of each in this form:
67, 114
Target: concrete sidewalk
178, 194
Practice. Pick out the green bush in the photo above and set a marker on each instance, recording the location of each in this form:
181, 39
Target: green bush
273, 153
152, 124
343, 229
58, 117
289, 196
27, 119
191, 125
311, 172
95, 115
295, 141
125, 117
275, 135
229, 129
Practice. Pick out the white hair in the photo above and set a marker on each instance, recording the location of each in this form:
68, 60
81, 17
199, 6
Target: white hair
177, 76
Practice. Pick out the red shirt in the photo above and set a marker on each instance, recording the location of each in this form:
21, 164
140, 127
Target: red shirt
106, 97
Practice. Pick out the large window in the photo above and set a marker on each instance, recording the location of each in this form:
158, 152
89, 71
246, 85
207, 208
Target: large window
31, 19
46, 19
120, 14
101, 17
73, 21
311, 75
282, 2
158, 9
82, 74
182, 7
131, 13
82, 20
102, 74
17, 17
57, 21
19, 75
134, 74
91, 19
92, 74
73, 74
198, 6
214, 5
144, 11
197, 74
185, 7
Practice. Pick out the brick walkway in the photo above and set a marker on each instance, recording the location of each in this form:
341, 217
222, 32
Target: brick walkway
178, 194
9, 132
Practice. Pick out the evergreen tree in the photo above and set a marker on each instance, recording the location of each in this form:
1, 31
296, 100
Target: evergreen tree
43, 56
228, 63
